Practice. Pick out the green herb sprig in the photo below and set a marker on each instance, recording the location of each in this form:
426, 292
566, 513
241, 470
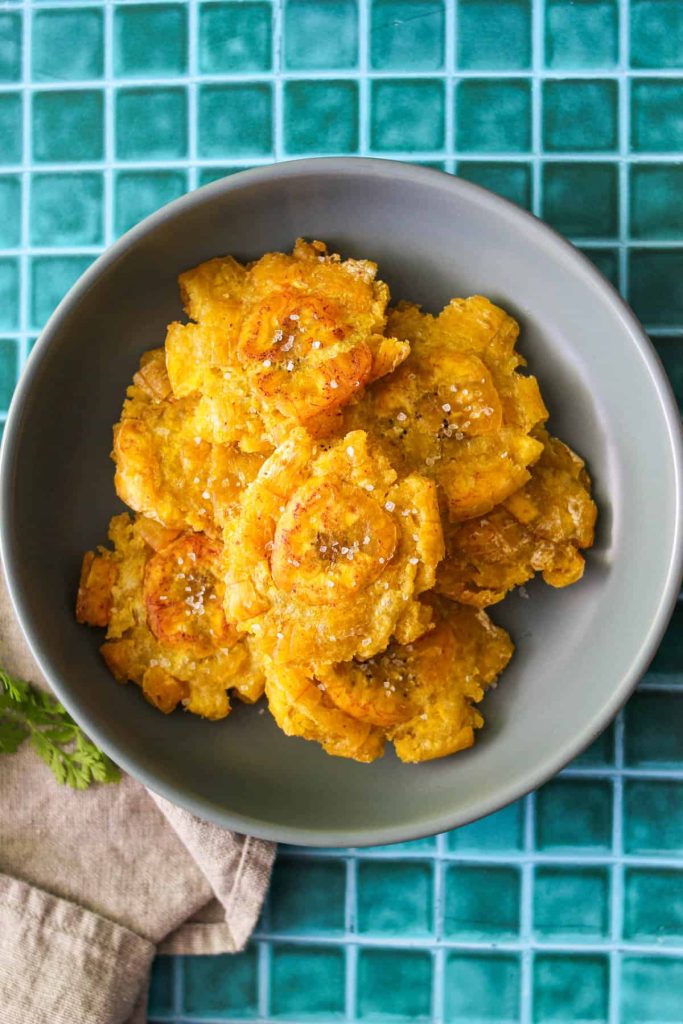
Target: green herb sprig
27, 713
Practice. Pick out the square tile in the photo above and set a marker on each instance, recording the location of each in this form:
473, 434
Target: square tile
307, 982
321, 117
580, 115
55, 56
607, 262
139, 193
161, 986
571, 988
671, 353
501, 831
151, 123
574, 814
9, 371
667, 665
482, 24
68, 127
656, 119
481, 902
510, 180
601, 751
66, 209
581, 200
10, 211
407, 115
581, 34
235, 120
10, 46
407, 35
656, 285
394, 985
221, 986
235, 37
10, 128
135, 25
653, 817
481, 987
322, 35
493, 116
307, 895
9, 294
656, 212
395, 897
651, 990
51, 278
656, 34
653, 906
653, 730
209, 174
571, 904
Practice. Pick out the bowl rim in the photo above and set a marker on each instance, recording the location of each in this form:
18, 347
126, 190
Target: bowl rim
530, 777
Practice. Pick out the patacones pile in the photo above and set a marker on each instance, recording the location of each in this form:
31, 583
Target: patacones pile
327, 493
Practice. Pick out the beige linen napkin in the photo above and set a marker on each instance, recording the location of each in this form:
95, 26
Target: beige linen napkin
93, 883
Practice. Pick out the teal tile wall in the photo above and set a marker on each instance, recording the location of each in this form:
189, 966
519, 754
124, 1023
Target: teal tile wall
566, 906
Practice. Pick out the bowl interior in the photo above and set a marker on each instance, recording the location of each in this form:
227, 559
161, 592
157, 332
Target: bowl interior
578, 650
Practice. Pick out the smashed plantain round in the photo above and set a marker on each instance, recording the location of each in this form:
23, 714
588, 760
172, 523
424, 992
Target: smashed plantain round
322, 487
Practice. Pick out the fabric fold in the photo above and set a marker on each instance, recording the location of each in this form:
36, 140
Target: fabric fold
61, 963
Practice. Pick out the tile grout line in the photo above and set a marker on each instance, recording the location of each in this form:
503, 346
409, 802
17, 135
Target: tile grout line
450, 63
439, 953
526, 991
350, 928
624, 127
275, 78
364, 91
25, 264
537, 12
109, 125
192, 93
617, 876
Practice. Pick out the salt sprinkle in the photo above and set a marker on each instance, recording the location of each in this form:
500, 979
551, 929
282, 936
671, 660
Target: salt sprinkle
330, 583
382, 560
389, 506
333, 384
205, 495
316, 344
267, 363
350, 451
196, 480
280, 636
446, 407
366, 539
413, 560
401, 416
289, 366
293, 316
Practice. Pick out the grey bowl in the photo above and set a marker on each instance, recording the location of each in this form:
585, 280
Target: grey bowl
580, 651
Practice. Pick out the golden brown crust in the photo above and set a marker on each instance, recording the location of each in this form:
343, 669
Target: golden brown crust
310, 471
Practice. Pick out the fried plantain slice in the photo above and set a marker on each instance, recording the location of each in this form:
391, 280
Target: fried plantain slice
447, 672
292, 339
330, 550
301, 708
166, 626
457, 410
164, 469
540, 528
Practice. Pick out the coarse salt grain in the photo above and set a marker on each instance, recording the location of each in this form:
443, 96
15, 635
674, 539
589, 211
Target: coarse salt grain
446, 407
205, 495
333, 384
413, 560
401, 417
267, 363
290, 366
389, 506
350, 452
316, 344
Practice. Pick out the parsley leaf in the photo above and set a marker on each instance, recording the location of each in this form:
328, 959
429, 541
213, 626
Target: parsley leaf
30, 714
